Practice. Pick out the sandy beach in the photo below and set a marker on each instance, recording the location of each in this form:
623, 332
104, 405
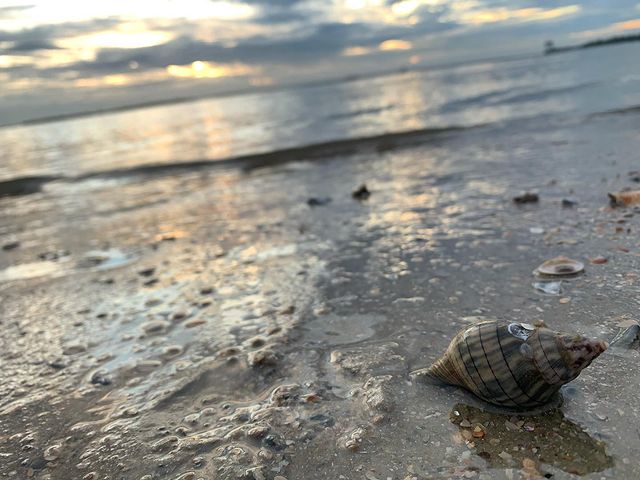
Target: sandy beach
213, 323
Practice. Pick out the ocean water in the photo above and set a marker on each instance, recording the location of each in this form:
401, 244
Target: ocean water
565, 87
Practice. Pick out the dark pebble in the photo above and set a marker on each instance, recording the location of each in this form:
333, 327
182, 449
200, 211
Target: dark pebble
147, 272
273, 442
362, 193
527, 197
10, 246
323, 420
53, 255
100, 378
318, 202
568, 203
57, 364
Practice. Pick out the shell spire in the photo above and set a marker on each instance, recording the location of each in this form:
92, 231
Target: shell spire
516, 365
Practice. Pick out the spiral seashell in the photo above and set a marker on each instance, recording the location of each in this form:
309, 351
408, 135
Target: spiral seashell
514, 365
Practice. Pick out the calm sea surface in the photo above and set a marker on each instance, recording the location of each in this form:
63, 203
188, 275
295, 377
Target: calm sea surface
565, 86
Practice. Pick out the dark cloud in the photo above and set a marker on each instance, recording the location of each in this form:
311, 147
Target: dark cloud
49, 33
27, 46
306, 45
279, 16
11, 10
272, 12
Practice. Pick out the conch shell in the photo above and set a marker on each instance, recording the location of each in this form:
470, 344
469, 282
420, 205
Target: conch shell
514, 365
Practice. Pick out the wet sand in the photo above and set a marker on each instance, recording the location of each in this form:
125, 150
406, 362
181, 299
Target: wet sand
212, 324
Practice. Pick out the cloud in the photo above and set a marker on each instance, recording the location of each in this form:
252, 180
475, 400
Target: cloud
280, 16
12, 10
276, 12
300, 47
31, 45
49, 33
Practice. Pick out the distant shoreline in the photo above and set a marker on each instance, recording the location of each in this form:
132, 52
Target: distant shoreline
551, 49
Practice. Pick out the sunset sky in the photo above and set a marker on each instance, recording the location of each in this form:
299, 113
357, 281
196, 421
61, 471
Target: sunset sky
62, 56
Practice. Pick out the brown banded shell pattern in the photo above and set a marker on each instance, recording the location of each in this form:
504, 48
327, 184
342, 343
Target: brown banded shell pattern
512, 365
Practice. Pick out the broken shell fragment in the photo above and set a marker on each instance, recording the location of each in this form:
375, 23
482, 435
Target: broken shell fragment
560, 266
623, 199
627, 338
514, 365
550, 288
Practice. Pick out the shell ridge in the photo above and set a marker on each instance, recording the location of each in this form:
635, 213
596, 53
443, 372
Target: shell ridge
504, 359
466, 368
486, 388
491, 368
446, 372
548, 361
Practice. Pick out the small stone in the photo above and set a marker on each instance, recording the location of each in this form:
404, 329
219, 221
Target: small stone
527, 197
194, 322
74, 348
172, 350
465, 423
279, 477
100, 378
155, 327
258, 432
147, 272
507, 457
186, 476
263, 357
52, 453
10, 246
564, 300
165, 444
129, 412
324, 420
599, 260
318, 202
90, 476
256, 342
361, 193
229, 352
478, 432
177, 316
